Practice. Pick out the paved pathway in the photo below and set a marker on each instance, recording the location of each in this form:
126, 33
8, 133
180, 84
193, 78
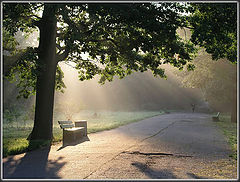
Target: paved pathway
176, 145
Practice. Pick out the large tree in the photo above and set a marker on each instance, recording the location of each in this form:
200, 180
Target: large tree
118, 39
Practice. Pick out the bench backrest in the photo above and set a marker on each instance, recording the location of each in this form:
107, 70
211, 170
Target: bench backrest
66, 124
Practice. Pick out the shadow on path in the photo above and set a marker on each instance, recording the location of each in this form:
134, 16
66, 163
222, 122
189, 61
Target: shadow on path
161, 174
33, 165
195, 176
84, 139
154, 174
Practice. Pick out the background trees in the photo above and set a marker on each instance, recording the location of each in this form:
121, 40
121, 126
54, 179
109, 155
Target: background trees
216, 80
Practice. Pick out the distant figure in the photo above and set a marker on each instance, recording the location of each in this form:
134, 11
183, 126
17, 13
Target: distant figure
193, 107
95, 115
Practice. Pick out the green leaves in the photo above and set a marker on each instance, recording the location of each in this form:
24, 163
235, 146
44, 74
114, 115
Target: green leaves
20, 16
121, 38
214, 27
9, 42
190, 67
59, 85
24, 72
117, 38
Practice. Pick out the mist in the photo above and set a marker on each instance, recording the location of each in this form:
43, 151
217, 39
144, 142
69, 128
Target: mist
136, 92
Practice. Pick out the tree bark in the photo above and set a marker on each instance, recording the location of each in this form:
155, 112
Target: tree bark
45, 87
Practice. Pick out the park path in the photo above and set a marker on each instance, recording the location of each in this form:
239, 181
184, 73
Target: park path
175, 146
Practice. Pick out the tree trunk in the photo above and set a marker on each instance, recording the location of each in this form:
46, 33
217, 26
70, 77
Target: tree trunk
45, 88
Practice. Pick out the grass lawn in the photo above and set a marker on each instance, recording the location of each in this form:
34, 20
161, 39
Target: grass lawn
230, 131
14, 139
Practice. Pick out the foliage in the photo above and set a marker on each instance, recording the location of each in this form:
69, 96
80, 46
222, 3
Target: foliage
214, 27
119, 39
122, 38
59, 85
25, 72
9, 42
20, 16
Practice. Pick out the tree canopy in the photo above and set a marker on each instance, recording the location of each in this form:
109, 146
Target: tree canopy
118, 38
214, 27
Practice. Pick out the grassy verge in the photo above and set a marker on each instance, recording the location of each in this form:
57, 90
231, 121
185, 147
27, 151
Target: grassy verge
230, 131
14, 140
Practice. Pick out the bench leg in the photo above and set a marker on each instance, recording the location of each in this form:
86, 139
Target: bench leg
82, 123
68, 137
215, 119
64, 143
72, 136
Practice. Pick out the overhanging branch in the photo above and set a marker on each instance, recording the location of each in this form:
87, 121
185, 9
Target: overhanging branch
63, 56
60, 48
103, 40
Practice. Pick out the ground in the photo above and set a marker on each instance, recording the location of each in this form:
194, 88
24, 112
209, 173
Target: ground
169, 146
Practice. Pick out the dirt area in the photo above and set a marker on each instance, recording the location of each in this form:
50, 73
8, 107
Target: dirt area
169, 146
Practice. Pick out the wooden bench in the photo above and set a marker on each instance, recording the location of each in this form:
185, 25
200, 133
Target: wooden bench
72, 132
216, 117
82, 123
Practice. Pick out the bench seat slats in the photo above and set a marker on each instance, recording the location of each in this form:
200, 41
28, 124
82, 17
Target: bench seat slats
65, 122
74, 129
64, 126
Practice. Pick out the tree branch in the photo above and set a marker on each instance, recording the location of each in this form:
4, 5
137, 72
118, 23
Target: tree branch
33, 21
37, 23
59, 47
59, 34
103, 40
29, 16
80, 27
63, 56
189, 27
